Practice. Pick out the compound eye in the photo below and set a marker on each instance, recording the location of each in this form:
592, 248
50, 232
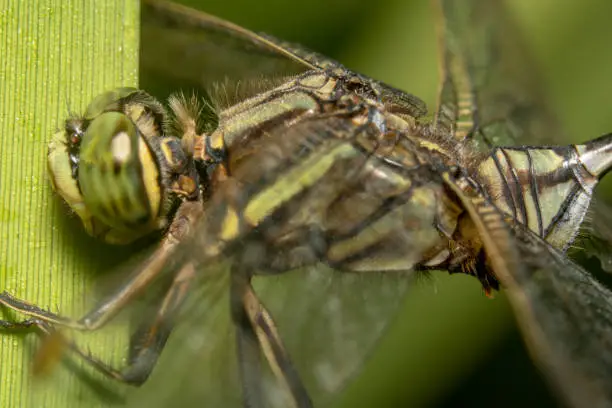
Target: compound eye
118, 174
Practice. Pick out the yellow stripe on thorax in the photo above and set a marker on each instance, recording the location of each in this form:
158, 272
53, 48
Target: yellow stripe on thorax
302, 176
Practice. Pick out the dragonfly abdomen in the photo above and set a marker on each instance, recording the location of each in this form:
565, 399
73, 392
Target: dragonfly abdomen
546, 189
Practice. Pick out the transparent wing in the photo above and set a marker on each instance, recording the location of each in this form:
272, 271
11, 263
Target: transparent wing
486, 68
598, 241
198, 365
328, 321
483, 56
566, 319
183, 47
186, 47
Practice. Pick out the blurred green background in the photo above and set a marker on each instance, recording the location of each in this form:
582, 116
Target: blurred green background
451, 346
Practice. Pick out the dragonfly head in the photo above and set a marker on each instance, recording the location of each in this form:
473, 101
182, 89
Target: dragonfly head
112, 165
549, 189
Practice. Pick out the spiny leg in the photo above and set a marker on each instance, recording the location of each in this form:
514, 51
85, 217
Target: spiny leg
146, 343
186, 217
53, 347
256, 334
105, 310
27, 324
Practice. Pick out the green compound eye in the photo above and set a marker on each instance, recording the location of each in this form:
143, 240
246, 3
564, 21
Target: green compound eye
109, 167
119, 177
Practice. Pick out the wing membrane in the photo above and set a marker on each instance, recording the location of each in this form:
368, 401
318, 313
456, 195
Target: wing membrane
198, 365
566, 318
490, 88
564, 313
497, 71
598, 241
197, 49
328, 321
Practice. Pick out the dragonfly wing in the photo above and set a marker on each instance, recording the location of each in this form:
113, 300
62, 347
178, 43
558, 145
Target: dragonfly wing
184, 47
328, 321
598, 240
566, 318
485, 63
198, 365
198, 50
491, 94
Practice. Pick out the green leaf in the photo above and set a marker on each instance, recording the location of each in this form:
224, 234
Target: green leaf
56, 56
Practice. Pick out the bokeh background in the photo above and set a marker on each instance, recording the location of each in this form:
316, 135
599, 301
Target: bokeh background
450, 346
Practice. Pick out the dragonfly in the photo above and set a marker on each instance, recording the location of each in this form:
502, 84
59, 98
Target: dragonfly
296, 209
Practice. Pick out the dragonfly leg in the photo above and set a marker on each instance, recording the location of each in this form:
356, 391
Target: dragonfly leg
256, 334
27, 324
146, 342
186, 216
42, 361
103, 312
44, 358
